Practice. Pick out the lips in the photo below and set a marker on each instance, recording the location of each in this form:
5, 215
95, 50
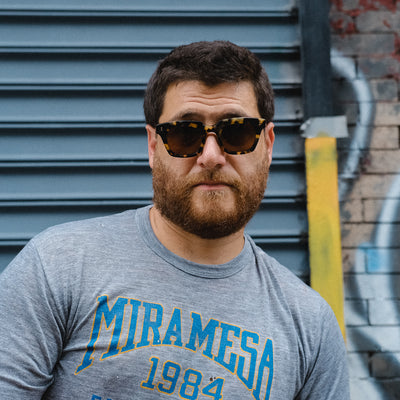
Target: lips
212, 186
212, 181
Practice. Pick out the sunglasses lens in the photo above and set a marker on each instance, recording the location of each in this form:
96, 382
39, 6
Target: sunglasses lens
240, 135
184, 138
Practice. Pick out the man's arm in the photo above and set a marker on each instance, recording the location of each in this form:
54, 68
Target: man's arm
327, 377
31, 331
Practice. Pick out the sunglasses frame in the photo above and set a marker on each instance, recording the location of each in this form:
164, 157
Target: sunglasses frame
164, 128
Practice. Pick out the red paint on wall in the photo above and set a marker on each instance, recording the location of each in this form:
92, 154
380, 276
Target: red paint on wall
387, 24
396, 53
342, 28
338, 4
337, 25
364, 6
350, 28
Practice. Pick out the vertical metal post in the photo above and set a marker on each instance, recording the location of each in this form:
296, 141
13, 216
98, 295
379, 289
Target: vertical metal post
324, 222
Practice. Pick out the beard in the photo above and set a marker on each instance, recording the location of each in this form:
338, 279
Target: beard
208, 214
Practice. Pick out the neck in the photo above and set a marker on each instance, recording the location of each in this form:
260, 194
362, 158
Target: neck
192, 247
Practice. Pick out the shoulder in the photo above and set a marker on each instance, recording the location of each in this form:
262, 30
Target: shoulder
281, 276
65, 250
86, 231
71, 254
305, 305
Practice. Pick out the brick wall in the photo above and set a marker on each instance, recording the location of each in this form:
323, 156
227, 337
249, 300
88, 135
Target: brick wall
366, 61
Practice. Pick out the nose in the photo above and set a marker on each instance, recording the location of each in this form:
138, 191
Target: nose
213, 154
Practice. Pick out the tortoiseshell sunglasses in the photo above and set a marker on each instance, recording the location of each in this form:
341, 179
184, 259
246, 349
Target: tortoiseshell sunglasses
187, 138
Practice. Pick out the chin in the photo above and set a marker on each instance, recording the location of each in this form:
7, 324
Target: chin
221, 199
214, 210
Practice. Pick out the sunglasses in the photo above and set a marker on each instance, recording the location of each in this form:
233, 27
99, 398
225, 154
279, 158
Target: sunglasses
187, 138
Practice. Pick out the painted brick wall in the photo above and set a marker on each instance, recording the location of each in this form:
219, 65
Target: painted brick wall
366, 63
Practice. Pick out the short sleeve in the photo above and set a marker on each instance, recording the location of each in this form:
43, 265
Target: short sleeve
327, 377
31, 333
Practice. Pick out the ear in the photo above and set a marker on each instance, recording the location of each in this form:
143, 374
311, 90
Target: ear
269, 136
151, 143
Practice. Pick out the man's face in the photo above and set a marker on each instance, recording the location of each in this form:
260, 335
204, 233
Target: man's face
213, 194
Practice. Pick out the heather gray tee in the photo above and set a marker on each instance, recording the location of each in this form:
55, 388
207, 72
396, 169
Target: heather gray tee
101, 310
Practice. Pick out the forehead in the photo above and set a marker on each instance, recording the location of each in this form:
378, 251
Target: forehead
195, 100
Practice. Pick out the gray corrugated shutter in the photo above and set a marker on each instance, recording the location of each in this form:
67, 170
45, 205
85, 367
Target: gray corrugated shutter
72, 139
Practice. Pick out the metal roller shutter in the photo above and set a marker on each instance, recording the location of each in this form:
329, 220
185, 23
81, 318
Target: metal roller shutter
72, 139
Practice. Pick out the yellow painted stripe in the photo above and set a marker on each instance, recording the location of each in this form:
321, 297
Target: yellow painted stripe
324, 223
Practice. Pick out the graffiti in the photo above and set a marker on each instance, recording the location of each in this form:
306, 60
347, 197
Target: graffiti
361, 136
376, 254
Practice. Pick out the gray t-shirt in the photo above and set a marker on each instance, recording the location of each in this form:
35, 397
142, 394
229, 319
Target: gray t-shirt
101, 310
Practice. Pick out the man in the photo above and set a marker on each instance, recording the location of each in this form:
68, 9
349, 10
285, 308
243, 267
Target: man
175, 299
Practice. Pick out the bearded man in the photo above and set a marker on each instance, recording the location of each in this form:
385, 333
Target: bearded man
175, 299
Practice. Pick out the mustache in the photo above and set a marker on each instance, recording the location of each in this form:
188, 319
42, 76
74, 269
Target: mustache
212, 176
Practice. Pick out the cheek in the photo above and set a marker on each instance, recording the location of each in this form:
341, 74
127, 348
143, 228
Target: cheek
245, 165
176, 168
253, 168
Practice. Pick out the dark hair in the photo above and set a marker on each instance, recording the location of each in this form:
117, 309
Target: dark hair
212, 63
